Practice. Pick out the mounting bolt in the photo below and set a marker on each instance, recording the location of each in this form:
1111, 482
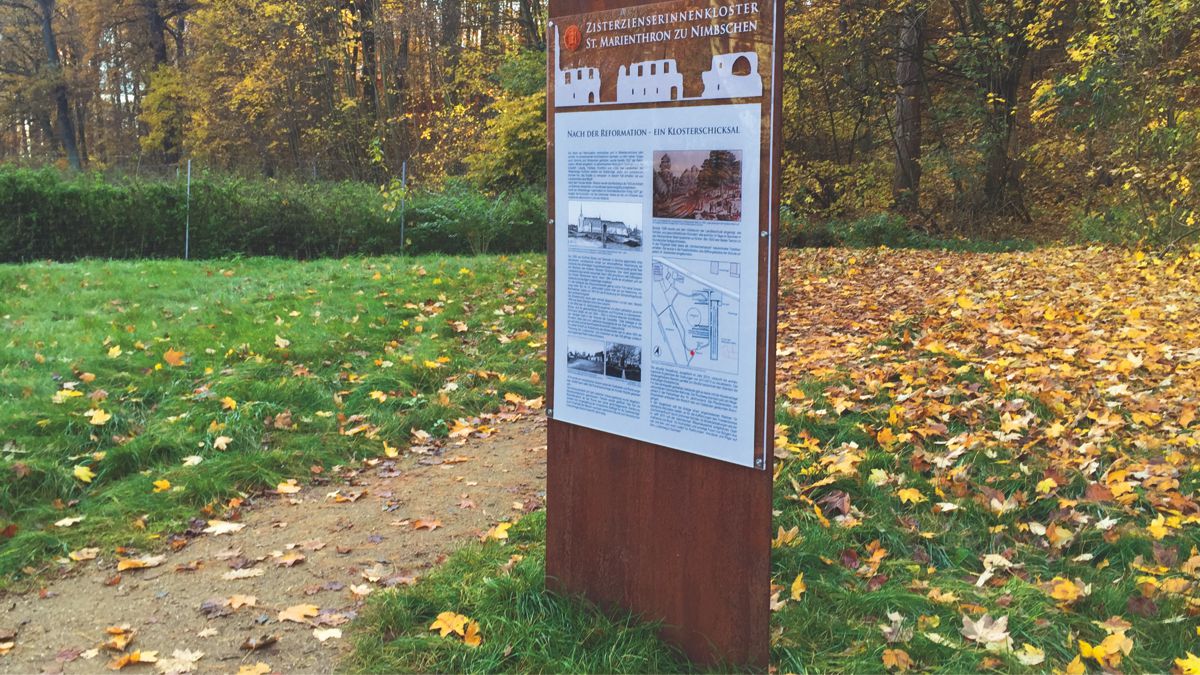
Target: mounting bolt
758, 463
764, 234
550, 413
551, 221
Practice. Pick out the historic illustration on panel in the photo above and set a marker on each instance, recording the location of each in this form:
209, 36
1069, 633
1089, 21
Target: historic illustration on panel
698, 185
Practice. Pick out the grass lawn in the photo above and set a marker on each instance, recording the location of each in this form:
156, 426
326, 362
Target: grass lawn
963, 438
135, 396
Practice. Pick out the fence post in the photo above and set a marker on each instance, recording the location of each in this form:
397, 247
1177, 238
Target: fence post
403, 199
187, 215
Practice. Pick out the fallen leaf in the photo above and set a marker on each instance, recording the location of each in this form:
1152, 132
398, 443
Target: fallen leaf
290, 559
472, 638
237, 601
449, 622
897, 659
288, 487
222, 527
799, 587
255, 644
140, 563
181, 661
259, 668
173, 357
298, 613
323, 634
68, 522
1030, 655
162, 485
84, 554
132, 658
242, 574
84, 473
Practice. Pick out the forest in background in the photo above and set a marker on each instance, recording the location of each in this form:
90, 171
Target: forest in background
980, 118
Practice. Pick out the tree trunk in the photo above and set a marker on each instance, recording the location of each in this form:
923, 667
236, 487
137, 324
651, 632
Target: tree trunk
66, 125
451, 31
366, 39
156, 29
1002, 192
910, 48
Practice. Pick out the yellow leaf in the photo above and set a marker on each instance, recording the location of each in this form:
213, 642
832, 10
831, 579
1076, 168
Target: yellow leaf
896, 659
288, 487
1045, 485
785, 537
228, 403
84, 473
237, 601
259, 668
390, 451
114, 351
1030, 655
298, 613
1157, 528
132, 658
282, 343
450, 622
798, 586
965, 302
910, 496
1186, 417
98, 417
499, 532
173, 357
795, 394
472, 638
378, 396
162, 485
1191, 664
886, 438
1075, 667
222, 442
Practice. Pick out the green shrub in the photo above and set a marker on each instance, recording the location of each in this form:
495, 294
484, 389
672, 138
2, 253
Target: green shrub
46, 215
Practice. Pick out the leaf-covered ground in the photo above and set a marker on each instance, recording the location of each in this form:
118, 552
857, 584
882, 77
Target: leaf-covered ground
985, 461
989, 461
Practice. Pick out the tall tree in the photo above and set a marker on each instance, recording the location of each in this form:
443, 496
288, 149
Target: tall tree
910, 93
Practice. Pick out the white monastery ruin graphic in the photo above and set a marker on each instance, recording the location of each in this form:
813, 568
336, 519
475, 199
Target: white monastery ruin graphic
649, 81
732, 75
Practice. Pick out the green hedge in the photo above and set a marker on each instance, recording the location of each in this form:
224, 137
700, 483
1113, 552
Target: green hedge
47, 215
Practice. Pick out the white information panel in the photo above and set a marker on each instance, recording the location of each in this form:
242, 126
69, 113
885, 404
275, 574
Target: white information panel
656, 274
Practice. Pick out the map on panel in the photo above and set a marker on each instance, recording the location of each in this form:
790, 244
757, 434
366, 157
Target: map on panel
696, 304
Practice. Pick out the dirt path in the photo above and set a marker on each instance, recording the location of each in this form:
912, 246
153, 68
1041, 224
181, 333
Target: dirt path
381, 538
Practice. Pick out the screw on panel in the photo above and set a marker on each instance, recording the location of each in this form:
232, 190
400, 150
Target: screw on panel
758, 463
550, 412
764, 234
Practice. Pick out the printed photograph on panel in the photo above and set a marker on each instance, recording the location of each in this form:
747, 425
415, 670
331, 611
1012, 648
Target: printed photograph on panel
585, 355
623, 361
605, 225
698, 185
